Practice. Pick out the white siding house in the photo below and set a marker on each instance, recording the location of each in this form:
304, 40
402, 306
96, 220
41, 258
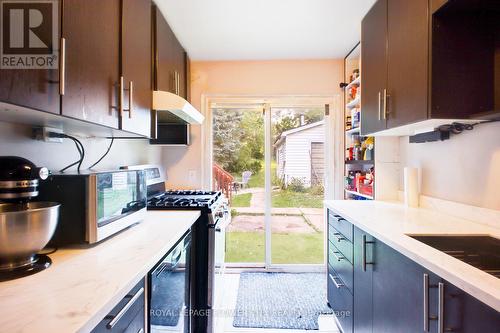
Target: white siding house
294, 154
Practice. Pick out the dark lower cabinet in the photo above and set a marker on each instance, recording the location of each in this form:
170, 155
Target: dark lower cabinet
128, 315
399, 294
91, 29
464, 313
340, 300
363, 279
391, 293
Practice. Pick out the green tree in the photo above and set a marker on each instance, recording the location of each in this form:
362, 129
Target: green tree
314, 115
226, 143
284, 124
238, 140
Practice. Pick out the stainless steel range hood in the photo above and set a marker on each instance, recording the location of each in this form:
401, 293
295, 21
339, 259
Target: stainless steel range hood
185, 113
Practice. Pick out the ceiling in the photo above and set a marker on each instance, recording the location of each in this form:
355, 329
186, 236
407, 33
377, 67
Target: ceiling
265, 29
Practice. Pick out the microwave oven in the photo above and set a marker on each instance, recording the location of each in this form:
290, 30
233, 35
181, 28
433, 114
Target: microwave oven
95, 205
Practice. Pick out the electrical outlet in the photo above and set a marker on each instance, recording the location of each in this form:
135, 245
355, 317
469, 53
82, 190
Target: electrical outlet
42, 134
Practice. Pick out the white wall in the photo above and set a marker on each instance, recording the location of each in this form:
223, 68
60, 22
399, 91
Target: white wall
16, 140
464, 169
298, 149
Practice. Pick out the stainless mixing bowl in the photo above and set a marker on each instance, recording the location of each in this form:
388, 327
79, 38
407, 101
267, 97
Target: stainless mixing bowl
25, 229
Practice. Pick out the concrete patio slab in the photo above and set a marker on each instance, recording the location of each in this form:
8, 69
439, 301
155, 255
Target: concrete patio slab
280, 224
312, 211
278, 211
317, 221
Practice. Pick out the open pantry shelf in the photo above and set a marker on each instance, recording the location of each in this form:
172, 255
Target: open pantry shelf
359, 194
354, 103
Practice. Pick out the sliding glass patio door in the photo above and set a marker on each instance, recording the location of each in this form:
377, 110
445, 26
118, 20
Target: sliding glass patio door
271, 159
297, 185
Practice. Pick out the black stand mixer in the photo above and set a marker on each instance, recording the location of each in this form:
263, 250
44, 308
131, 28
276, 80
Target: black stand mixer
26, 226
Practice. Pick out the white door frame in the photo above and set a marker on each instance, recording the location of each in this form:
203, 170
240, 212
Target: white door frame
334, 154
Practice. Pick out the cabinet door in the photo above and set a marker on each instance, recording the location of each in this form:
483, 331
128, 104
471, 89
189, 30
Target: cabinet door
464, 313
407, 59
91, 29
136, 66
165, 56
363, 271
398, 292
373, 67
128, 315
32, 88
437, 4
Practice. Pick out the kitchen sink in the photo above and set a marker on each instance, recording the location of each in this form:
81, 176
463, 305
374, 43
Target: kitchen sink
482, 252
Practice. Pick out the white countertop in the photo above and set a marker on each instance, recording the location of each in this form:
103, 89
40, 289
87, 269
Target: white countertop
392, 222
83, 285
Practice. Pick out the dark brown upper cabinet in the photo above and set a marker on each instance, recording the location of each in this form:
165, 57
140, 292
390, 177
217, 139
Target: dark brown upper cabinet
171, 72
374, 67
136, 66
32, 88
429, 62
108, 63
394, 60
170, 59
91, 31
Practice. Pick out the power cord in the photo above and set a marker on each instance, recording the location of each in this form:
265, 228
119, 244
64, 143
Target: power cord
103, 156
457, 128
79, 147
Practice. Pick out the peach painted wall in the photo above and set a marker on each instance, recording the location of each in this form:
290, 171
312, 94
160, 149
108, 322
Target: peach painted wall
274, 77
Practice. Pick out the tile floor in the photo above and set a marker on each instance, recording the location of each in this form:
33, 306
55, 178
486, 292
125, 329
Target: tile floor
227, 297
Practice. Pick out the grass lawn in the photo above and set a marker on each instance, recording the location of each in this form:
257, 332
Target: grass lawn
249, 247
283, 199
241, 200
258, 179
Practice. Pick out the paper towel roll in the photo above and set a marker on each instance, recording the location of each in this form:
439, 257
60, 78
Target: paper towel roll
411, 187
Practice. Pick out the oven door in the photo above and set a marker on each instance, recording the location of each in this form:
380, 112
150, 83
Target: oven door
169, 292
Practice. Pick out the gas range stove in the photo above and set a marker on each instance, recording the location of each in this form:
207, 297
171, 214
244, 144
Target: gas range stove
204, 200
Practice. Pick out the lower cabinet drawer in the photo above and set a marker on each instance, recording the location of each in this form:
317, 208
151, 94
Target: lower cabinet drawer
128, 315
342, 266
138, 324
341, 301
345, 227
343, 244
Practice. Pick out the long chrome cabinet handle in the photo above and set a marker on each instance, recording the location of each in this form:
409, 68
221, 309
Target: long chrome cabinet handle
426, 302
179, 82
120, 96
440, 307
385, 103
130, 98
124, 310
379, 108
337, 284
62, 66
363, 253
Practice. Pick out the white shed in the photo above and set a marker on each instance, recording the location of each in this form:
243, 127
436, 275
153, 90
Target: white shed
300, 154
